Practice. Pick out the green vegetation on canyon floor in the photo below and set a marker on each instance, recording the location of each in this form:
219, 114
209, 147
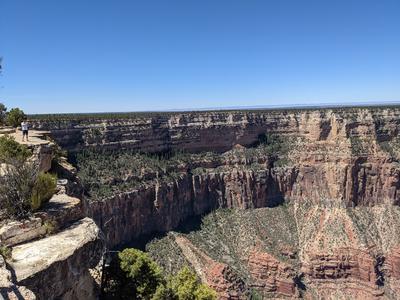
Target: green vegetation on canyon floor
290, 236
392, 147
106, 173
227, 235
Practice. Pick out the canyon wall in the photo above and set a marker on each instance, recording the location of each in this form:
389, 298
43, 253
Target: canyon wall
335, 157
216, 131
339, 161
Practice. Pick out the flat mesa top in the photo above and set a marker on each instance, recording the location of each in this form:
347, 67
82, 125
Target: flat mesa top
62, 117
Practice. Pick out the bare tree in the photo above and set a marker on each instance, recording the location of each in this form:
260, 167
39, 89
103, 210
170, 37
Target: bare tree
16, 186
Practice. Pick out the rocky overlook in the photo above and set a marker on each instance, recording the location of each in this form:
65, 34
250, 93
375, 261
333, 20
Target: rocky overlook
295, 204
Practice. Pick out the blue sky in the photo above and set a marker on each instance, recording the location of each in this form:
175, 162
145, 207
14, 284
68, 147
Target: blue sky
95, 55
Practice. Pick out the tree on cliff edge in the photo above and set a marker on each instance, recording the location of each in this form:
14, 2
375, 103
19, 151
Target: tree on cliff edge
144, 273
15, 117
142, 278
3, 110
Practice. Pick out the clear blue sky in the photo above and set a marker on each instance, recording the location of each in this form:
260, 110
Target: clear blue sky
81, 55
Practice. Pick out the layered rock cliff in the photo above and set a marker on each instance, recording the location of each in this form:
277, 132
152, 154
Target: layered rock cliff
339, 180
216, 131
322, 165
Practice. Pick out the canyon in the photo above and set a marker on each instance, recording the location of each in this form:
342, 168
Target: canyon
315, 216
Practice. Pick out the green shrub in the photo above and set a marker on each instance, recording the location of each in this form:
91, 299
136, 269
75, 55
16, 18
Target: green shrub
51, 227
357, 146
24, 189
275, 146
11, 150
203, 292
273, 143
142, 270
391, 147
5, 252
137, 276
186, 286
43, 189
163, 293
16, 189
14, 117
58, 153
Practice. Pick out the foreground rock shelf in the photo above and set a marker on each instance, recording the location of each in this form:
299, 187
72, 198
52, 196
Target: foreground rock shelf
57, 266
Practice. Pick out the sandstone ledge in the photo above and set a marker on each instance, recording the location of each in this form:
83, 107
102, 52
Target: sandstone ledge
56, 267
63, 209
60, 211
17, 232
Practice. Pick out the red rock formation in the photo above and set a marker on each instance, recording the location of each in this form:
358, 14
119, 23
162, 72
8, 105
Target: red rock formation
346, 266
270, 274
221, 278
391, 271
217, 275
391, 265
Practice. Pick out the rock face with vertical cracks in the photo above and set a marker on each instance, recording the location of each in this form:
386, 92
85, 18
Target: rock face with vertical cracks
163, 207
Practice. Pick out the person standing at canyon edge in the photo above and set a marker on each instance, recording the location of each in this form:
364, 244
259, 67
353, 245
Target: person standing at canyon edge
24, 128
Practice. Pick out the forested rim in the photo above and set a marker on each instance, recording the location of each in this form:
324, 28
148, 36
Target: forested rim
154, 114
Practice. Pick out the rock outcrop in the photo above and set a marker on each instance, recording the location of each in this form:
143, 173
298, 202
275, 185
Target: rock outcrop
49, 255
17, 232
347, 266
54, 250
271, 275
56, 267
217, 275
